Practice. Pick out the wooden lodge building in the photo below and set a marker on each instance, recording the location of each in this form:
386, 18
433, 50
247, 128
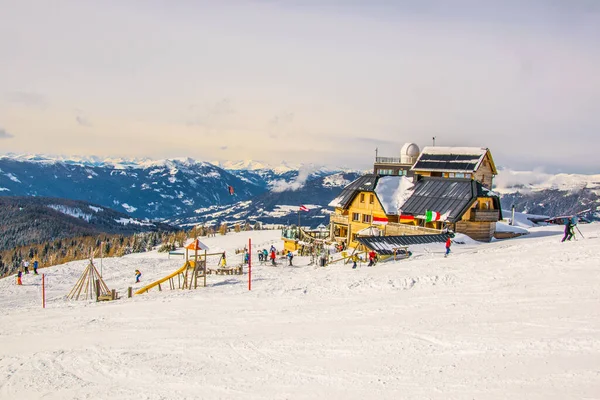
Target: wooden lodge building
451, 183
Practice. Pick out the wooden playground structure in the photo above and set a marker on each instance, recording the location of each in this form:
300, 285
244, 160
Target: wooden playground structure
194, 270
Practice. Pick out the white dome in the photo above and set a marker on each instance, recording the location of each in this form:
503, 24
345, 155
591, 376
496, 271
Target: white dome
409, 153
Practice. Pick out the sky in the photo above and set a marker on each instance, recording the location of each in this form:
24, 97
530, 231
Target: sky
308, 81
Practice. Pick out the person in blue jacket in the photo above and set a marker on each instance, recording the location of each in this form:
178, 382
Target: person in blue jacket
568, 230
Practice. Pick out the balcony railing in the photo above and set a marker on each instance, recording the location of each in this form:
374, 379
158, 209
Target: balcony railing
484, 215
387, 160
339, 219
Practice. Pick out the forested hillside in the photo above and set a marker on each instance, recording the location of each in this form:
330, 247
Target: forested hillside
29, 220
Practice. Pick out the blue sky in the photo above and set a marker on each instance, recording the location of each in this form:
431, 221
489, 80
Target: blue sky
302, 81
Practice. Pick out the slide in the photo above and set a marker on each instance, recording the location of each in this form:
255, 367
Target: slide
166, 278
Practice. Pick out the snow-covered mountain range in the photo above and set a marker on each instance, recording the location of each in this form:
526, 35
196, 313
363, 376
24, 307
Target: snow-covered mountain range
185, 191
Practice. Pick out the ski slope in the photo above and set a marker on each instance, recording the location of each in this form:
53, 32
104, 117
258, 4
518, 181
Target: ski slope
514, 319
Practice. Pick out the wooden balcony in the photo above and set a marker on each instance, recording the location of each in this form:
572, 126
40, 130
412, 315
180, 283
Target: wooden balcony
484, 215
339, 219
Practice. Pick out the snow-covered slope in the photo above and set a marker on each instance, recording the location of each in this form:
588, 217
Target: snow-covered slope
513, 319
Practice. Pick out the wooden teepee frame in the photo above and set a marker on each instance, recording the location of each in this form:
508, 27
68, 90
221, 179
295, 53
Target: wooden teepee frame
87, 284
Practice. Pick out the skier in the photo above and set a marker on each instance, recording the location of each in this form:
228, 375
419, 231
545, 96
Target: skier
290, 256
19, 274
26, 267
35, 267
448, 244
568, 230
246, 256
260, 255
223, 261
138, 275
372, 257
273, 256
354, 260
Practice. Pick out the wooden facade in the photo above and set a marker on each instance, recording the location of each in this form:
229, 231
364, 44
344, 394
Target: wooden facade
483, 173
345, 223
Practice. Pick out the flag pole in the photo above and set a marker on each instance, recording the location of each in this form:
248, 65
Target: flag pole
298, 218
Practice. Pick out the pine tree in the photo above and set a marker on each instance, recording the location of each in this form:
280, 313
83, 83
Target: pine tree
223, 229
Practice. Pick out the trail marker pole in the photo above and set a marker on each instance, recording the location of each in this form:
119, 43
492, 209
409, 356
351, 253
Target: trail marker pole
43, 291
249, 264
101, 256
576, 227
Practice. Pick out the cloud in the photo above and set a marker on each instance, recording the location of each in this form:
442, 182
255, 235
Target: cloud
4, 134
280, 123
508, 179
82, 119
281, 185
28, 99
212, 114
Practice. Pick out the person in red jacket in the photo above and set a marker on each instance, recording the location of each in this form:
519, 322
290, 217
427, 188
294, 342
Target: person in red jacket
273, 256
448, 243
372, 258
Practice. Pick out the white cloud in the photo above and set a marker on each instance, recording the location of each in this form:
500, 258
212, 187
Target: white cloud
4, 134
304, 172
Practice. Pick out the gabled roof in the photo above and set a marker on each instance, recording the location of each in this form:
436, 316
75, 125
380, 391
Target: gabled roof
445, 195
365, 183
384, 245
452, 159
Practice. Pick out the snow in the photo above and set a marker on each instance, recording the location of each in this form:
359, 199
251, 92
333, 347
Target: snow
515, 319
504, 227
392, 192
129, 208
3, 189
335, 180
12, 177
127, 221
72, 211
522, 219
470, 151
95, 209
509, 181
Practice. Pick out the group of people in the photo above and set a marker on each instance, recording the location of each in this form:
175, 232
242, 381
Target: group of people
271, 255
25, 270
372, 256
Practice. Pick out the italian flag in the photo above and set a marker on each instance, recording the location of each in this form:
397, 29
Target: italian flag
380, 220
432, 216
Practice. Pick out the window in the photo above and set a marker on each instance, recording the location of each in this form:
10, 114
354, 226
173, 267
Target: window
459, 175
362, 197
451, 175
467, 175
366, 219
371, 198
355, 217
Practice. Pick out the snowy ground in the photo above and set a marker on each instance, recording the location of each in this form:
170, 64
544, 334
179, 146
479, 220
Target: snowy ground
515, 319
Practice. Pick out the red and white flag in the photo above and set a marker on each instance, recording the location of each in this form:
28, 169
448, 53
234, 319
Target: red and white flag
303, 208
380, 220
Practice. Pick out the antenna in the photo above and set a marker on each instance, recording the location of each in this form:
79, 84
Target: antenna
376, 150
433, 141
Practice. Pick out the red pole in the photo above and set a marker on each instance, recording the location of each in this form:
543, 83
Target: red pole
249, 264
43, 291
